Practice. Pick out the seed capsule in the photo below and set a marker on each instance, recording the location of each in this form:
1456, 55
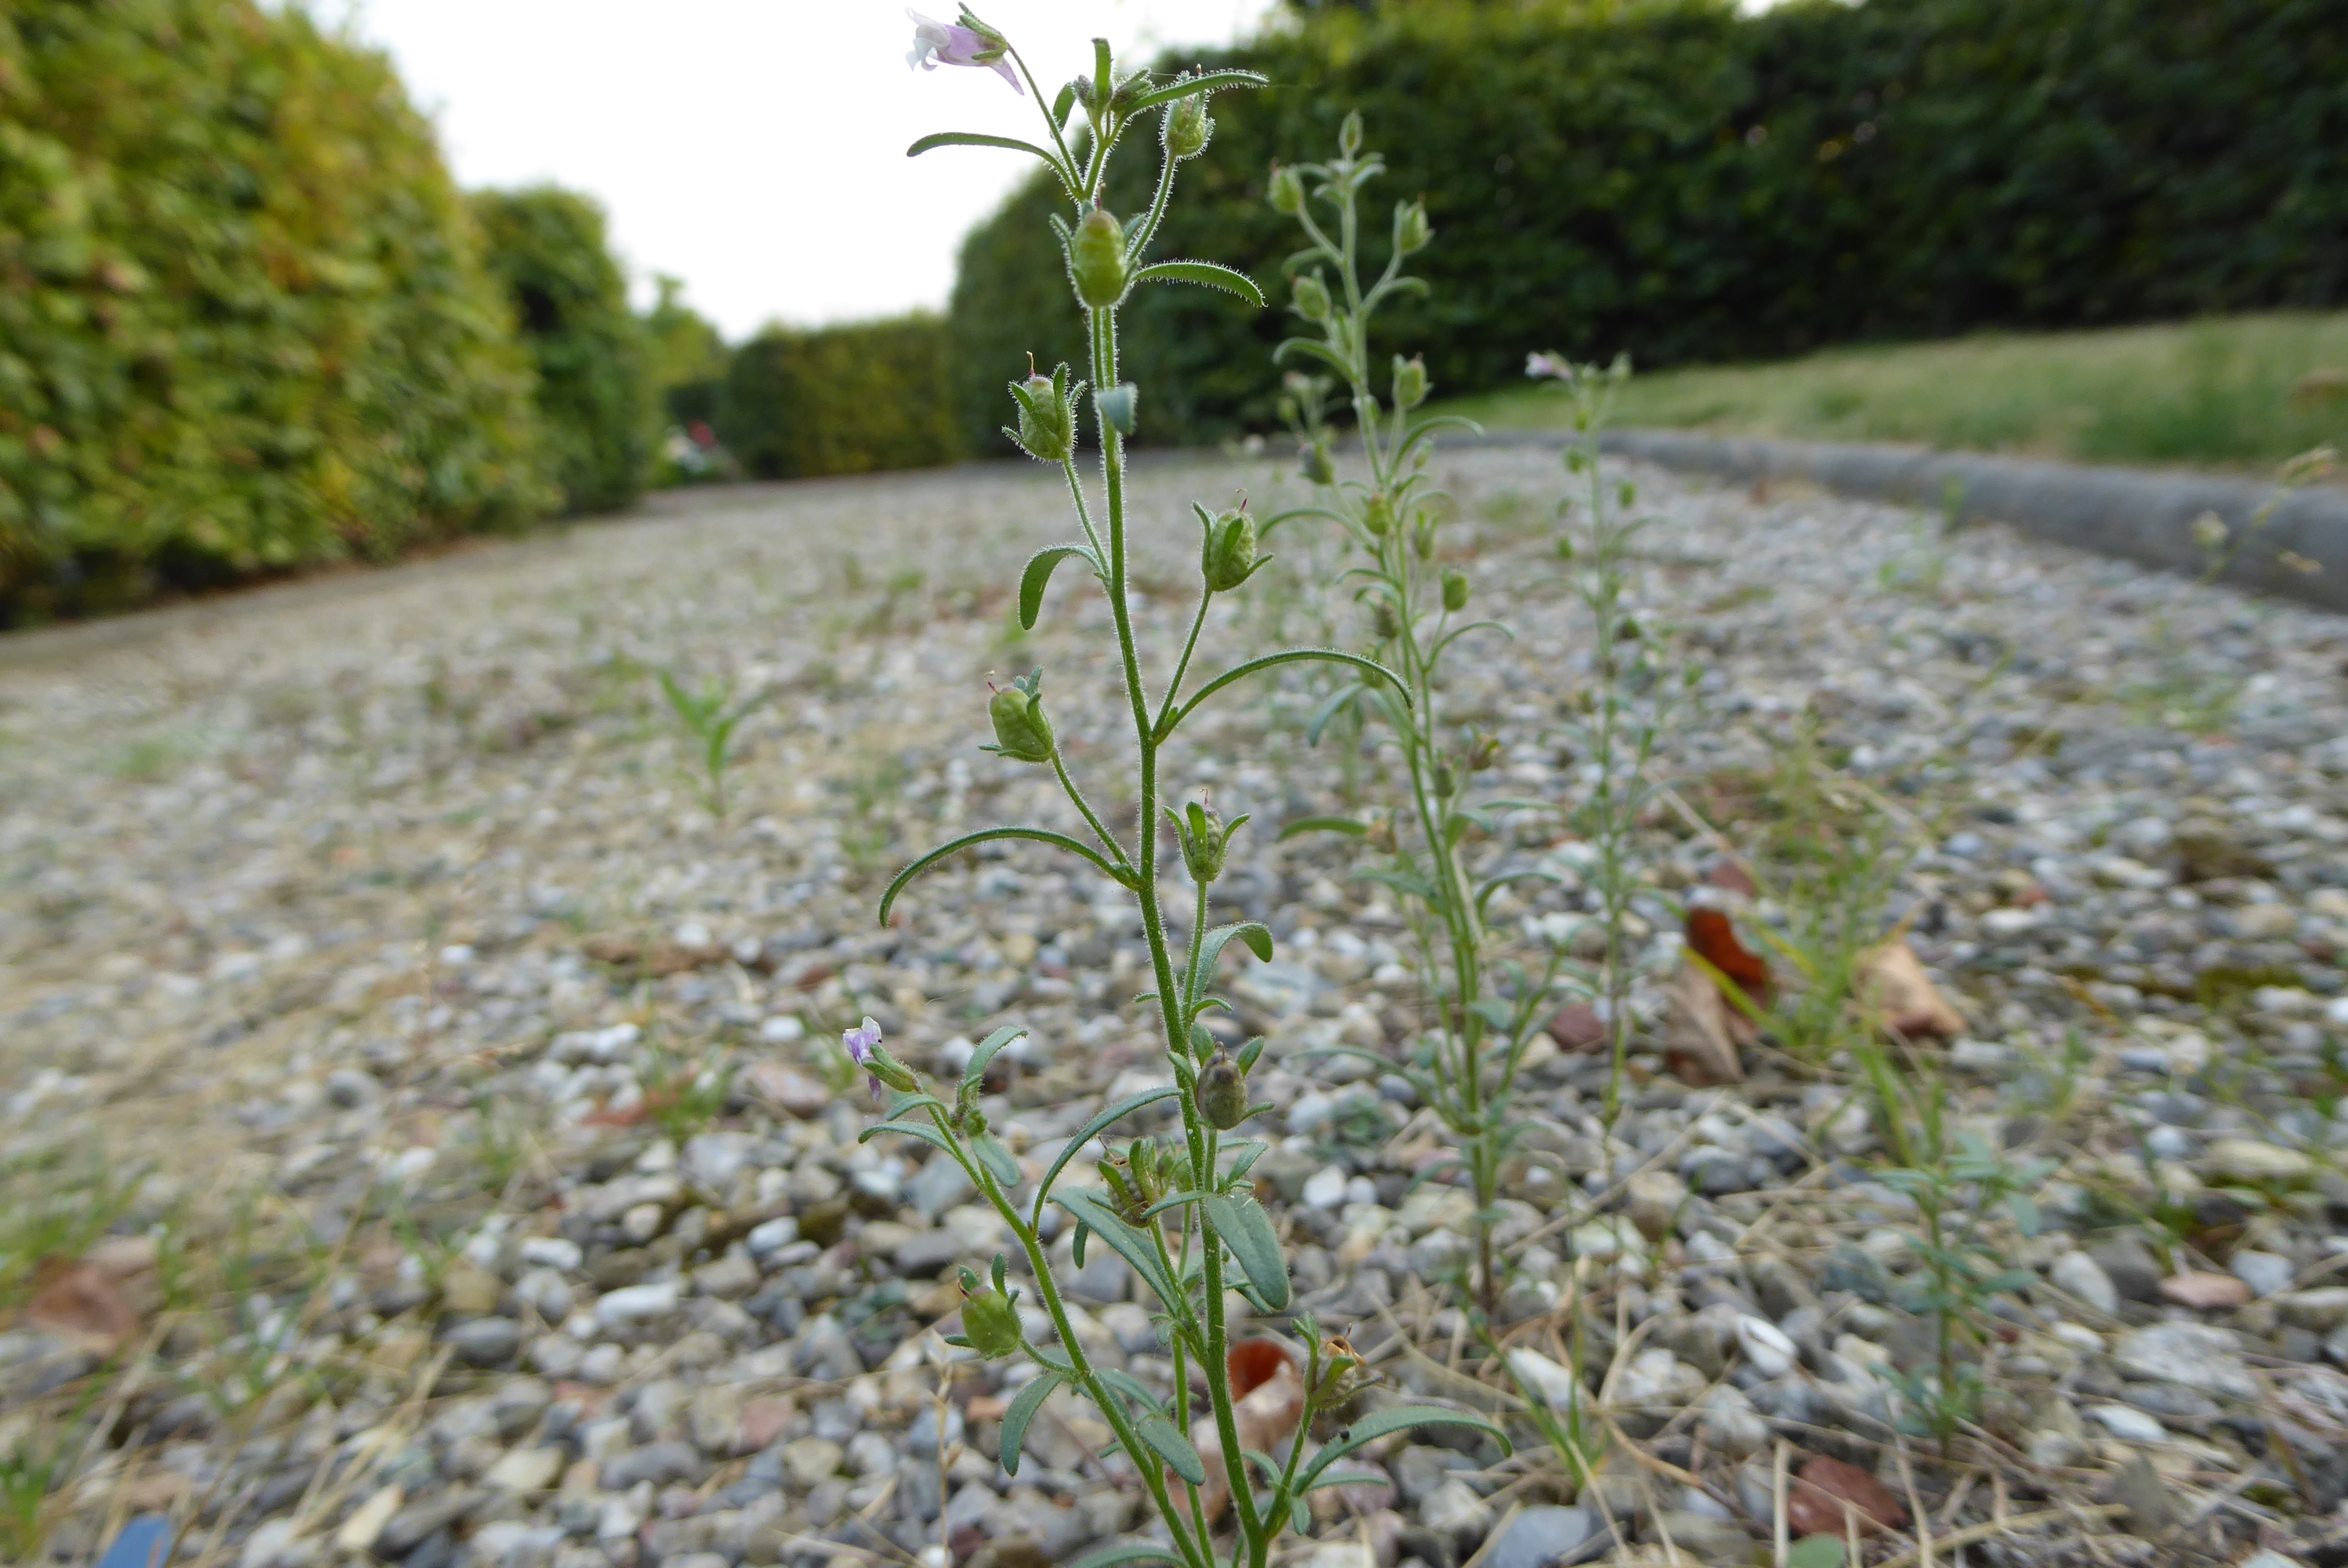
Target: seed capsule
1455, 591
1228, 556
1021, 732
1097, 260
1312, 297
1187, 127
990, 1321
1222, 1091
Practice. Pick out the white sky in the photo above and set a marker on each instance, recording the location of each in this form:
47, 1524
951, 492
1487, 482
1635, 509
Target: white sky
753, 148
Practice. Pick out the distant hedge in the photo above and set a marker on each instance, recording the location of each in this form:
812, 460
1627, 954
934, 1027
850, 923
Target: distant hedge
547, 247
841, 400
243, 321
1674, 179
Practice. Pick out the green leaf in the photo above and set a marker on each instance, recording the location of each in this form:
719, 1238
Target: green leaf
1096, 1127
1303, 824
1132, 1551
1816, 1552
1371, 1428
922, 1130
1206, 274
911, 1099
1173, 1448
975, 1073
1256, 935
1134, 1390
1039, 576
1247, 1230
1170, 1201
1130, 1245
1205, 82
973, 138
1351, 1478
1272, 661
987, 835
998, 1160
1022, 1411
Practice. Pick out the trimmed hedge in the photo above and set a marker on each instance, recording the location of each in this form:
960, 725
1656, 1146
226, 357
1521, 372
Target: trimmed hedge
595, 394
1690, 184
841, 400
243, 322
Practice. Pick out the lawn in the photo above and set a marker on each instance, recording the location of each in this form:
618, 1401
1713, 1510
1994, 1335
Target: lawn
2235, 392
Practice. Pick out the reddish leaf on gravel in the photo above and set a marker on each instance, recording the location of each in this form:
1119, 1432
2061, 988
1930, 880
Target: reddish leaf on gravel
1253, 1363
1711, 937
1702, 1032
1828, 1491
2205, 1292
1578, 1027
82, 1302
1893, 984
1731, 878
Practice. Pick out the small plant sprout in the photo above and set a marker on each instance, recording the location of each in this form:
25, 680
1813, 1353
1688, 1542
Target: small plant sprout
710, 716
1183, 1214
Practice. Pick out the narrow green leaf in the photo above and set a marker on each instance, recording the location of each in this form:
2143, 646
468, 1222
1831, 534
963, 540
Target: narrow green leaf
998, 1160
1173, 1448
1206, 274
973, 138
974, 1074
1136, 1392
1285, 656
1132, 1551
1205, 82
1038, 577
1247, 1230
1095, 1128
1129, 1243
1022, 1411
1256, 935
1303, 824
1170, 1201
987, 835
1371, 1428
1351, 1478
922, 1130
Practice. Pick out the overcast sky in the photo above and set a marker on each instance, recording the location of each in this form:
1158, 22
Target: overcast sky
753, 148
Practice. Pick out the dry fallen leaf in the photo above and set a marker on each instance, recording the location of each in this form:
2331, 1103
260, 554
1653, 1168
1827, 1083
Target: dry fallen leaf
1266, 1415
1828, 1492
1713, 938
1702, 1031
1578, 1027
84, 1303
1893, 983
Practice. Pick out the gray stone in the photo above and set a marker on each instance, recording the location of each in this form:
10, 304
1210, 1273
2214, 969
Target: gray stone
424, 1515
485, 1341
925, 1255
2076, 1274
2133, 1272
1545, 1537
659, 1463
1454, 1509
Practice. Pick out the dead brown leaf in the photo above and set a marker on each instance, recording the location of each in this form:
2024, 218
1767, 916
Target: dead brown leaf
1702, 1031
84, 1303
1893, 984
2204, 1292
1828, 1491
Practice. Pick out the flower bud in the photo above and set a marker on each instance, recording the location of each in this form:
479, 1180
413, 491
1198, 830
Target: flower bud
1377, 514
1048, 417
1286, 191
1411, 230
1315, 463
1187, 128
1445, 779
1454, 590
1311, 297
1021, 732
1349, 135
891, 1072
1226, 557
1205, 840
1222, 1091
1097, 260
1384, 620
990, 1321
1409, 382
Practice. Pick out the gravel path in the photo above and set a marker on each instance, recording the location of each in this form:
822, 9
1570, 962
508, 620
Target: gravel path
447, 1107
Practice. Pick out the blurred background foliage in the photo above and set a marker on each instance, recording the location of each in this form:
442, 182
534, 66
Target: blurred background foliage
248, 324
1677, 179
597, 400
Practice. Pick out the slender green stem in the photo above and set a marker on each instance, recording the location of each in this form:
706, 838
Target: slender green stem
1156, 208
1182, 665
1108, 841
1083, 513
1068, 169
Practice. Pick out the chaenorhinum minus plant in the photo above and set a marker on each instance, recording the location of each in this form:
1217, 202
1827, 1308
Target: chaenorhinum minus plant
1182, 1215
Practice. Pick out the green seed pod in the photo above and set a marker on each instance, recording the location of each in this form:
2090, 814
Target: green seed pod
1411, 231
1455, 591
1349, 135
1227, 556
1097, 260
1315, 465
1445, 779
1384, 620
1188, 128
1205, 840
1286, 191
1377, 514
990, 1321
1311, 297
1021, 732
1222, 1091
1409, 382
1048, 417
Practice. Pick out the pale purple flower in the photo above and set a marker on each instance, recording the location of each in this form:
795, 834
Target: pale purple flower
1537, 366
861, 1042
939, 44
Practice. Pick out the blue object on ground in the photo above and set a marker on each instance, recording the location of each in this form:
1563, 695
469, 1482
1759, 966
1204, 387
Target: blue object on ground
145, 1543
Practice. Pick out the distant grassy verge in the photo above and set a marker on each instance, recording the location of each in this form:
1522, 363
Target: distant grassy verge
2234, 392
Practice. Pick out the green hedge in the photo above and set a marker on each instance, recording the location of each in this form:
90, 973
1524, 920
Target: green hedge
841, 400
595, 394
243, 322
1689, 184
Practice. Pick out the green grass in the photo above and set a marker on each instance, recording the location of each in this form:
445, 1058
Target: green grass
2232, 392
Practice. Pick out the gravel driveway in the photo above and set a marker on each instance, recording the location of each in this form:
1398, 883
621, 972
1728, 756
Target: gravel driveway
450, 1105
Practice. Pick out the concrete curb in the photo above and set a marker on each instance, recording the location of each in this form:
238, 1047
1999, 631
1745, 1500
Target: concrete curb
2138, 514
